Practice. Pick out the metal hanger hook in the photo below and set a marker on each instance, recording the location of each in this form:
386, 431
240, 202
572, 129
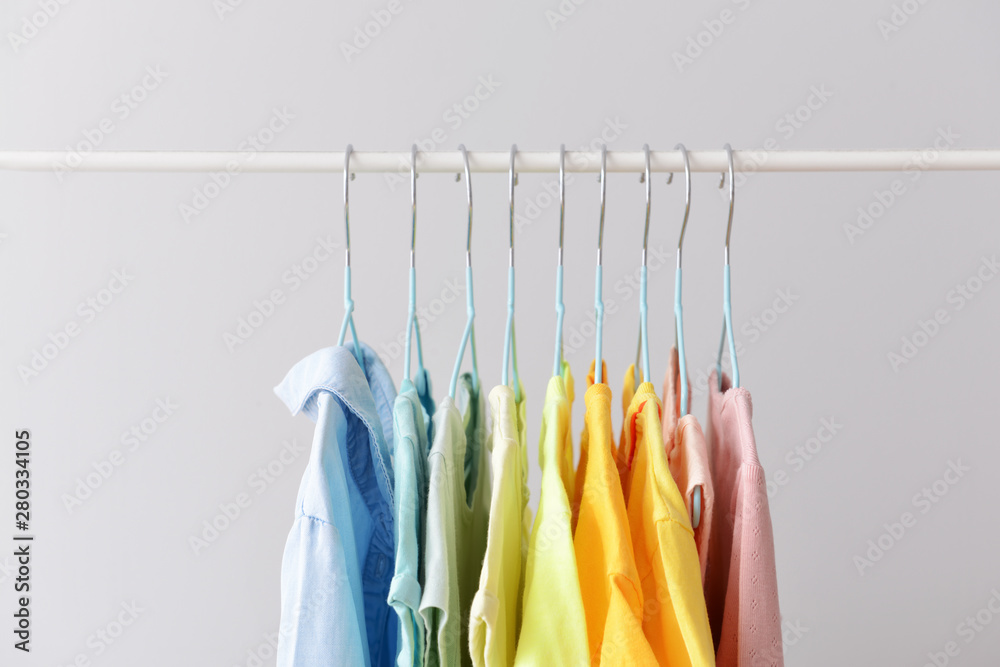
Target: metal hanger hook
562, 198
645, 178
413, 203
510, 341
732, 194
642, 348
604, 189
598, 277
727, 328
468, 187
348, 177
513, 182
560, 306
469, 335
348, 322
687, 198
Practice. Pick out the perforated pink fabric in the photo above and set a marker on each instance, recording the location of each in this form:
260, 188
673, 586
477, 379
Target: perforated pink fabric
741, 584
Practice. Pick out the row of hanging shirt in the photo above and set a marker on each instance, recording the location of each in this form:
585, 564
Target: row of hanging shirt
413, 543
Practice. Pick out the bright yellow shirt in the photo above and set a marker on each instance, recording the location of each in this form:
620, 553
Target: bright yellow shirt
609, 581
554, 628
675, 621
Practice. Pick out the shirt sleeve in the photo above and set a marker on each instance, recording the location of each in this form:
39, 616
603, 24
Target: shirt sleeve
320, 622
404, 590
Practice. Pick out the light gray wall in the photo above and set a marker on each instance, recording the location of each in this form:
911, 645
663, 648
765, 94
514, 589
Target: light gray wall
606, 66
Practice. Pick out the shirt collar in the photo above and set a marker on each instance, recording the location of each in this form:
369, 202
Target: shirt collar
369, 394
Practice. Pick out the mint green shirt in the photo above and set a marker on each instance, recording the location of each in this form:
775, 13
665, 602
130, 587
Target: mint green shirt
410, 509
458, 507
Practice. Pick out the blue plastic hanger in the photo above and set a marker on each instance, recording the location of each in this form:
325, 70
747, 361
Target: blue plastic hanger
510, 342
598, 290
679, 318
348, 301
411, 318
727, 307
469, 335
643, 308
560, 307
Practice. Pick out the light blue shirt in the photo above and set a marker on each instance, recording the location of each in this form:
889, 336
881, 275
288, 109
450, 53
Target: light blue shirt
410, 466
338, 561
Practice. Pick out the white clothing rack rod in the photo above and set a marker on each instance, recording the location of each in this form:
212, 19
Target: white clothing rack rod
929, 159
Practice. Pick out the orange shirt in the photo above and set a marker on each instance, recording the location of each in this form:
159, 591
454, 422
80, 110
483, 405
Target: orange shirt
609, 581
581, 467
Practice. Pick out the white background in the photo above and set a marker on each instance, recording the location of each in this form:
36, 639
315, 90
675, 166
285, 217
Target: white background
607, 64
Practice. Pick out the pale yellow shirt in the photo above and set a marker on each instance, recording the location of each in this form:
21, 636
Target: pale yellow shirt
495, 617
554, 628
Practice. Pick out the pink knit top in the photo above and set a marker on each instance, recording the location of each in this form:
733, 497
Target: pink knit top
741, 583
